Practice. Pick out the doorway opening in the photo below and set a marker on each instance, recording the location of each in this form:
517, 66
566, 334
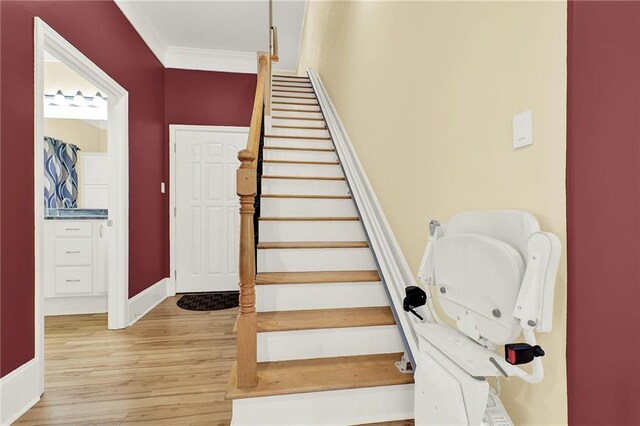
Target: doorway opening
81, 162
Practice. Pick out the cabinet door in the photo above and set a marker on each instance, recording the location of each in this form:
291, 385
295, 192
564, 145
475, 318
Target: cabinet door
100, 253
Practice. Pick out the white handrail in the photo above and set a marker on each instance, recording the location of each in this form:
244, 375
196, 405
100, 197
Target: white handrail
393, 267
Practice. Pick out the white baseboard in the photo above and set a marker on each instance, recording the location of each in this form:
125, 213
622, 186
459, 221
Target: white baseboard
19, 391
75, 305
142, 303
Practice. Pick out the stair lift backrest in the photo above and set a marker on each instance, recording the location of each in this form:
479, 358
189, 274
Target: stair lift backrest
479, 265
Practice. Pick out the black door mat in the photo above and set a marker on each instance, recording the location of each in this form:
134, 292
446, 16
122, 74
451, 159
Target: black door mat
213, 301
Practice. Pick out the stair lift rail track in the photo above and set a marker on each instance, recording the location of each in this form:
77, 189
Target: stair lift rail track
394, 270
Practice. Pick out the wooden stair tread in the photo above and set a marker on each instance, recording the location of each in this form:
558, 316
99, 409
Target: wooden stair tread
311, 244
269, 278
320, 163
294, 97
288, 148
315, 319
297, 118
310, 219
322, 374
311, 111
324, 197
304, 177
320, 138
296, 103
278, 126
300, 77
408, 422
308, 92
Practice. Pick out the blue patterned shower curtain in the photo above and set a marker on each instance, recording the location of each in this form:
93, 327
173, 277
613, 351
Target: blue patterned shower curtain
61, 178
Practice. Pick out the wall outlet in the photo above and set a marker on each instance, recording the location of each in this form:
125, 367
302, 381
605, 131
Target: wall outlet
523, 129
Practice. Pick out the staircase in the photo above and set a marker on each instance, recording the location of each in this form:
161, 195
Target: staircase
327, 340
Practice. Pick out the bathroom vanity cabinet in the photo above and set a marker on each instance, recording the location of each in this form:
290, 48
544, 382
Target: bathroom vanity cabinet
75, 270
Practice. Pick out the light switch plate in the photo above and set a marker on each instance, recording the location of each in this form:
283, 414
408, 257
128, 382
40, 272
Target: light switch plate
162, 189
523, 129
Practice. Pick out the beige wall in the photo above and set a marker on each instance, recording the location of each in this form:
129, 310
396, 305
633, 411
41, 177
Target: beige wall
58, 76
87, 137
427, 92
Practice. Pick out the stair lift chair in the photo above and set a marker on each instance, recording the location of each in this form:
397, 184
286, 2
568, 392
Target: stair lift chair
494, 273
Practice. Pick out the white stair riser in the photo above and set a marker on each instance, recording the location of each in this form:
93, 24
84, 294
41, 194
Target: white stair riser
293, 106
294, 122
312, 133
340, 407
295, 297
298, 143
292, 155
304, 186
305, 114
276, 93
289, 87
283, 231
321, 259
284, 169
328, 343
295, 101
307, 207
289, 80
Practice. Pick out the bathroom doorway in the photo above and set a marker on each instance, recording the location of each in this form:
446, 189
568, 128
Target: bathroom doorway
81, 162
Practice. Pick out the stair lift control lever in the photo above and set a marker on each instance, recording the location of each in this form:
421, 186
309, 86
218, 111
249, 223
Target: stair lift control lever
414, 298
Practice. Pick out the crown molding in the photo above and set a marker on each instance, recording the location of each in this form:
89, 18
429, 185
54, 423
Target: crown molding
140, 22
210, 60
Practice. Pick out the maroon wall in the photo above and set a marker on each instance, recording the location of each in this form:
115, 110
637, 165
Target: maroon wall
209, 98
603, 212
101, 32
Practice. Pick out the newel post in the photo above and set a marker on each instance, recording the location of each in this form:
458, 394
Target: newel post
247, 344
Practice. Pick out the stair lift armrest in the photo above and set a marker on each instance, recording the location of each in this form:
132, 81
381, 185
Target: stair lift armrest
537, 371
534, 306
426, 273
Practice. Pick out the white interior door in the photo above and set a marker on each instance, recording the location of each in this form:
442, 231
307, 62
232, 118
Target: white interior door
207, 209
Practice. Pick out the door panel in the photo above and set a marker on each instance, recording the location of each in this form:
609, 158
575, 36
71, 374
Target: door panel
207, 225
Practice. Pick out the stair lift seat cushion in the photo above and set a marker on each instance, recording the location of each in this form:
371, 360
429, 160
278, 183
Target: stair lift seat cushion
478, 277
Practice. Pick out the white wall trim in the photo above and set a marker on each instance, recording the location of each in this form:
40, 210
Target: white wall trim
189, 58
118, 141
392, 264
74, 305
173, 128
140, 22
19, 391
145, 301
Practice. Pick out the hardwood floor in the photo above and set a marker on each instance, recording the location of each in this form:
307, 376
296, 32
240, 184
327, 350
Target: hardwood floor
171, 367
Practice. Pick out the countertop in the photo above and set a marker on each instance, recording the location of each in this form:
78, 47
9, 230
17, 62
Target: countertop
76, 214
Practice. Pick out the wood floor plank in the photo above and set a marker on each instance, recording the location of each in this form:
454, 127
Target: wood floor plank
171, 367
324, 318
267, 278
317, 375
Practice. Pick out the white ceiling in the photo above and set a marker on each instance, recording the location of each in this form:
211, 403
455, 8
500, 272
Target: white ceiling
216, 35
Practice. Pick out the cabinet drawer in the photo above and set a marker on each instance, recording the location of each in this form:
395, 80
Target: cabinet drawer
66, 228
73, 280
73, 251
